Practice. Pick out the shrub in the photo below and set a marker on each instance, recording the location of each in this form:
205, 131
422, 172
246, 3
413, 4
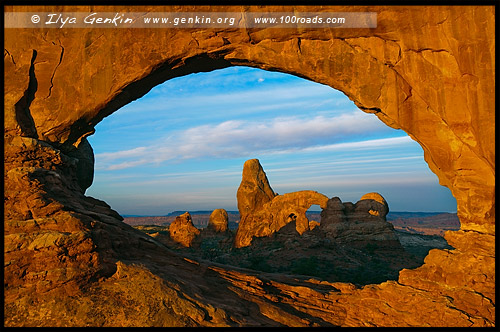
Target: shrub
305, 266
260, 264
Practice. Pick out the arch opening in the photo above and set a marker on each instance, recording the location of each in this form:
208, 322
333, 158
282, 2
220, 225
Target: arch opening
290, 125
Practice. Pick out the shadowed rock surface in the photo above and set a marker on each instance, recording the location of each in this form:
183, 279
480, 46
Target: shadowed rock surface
71, 261
363, 221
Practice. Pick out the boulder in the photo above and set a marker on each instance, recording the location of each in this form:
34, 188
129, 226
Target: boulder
218, 221
183, 231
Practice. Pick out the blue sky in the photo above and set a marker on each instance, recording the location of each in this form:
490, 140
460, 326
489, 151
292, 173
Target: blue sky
182, 146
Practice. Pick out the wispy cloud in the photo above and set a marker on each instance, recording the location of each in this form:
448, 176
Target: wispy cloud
263, 96
123, 154
361, 145
231, 139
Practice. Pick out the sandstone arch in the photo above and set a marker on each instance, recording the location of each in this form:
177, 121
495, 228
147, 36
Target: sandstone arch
263, 212
277, 213
437, 85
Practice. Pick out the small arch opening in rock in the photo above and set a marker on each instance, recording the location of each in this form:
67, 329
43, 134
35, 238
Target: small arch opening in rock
189, 137
314, 216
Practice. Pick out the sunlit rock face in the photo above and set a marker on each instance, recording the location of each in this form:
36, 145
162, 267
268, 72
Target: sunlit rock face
262, 212
283, 209
70, 261
182, 230
254, 190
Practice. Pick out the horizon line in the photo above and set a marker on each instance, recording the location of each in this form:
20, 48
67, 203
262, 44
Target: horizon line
232, 211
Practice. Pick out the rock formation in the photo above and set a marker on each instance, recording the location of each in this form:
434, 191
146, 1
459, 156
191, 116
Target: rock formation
218, 221
361, 222
353, 243
262, 212
283, 209
70, 261
313, 224
254, 190
182, 230
374, 203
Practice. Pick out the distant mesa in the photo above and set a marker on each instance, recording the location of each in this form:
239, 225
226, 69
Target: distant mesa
427, 223
192, 213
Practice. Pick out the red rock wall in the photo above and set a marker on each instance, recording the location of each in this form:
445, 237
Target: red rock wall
426, 70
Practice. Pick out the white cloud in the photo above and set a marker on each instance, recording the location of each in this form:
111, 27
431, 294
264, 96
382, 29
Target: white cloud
231, 139
123, 154
369, 144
